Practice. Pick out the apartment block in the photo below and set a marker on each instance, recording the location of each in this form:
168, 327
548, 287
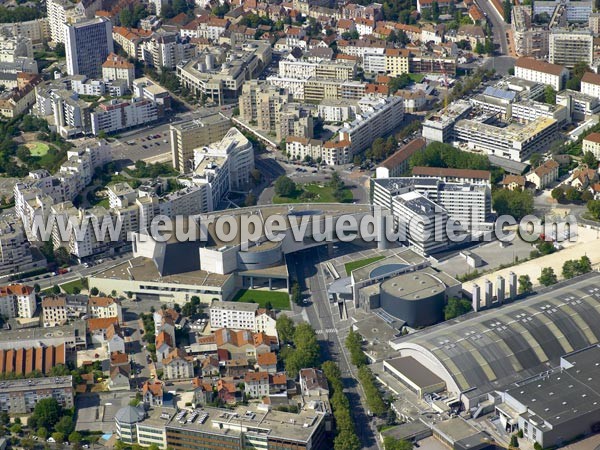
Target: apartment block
21, 396
87, 45
60, 12
116, 115
590, 84
118, 68
570, 46
209, 127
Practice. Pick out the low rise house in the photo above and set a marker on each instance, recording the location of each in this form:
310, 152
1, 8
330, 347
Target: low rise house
267, 362
313, 382
178, 365
256, 384
152, 393
543, 175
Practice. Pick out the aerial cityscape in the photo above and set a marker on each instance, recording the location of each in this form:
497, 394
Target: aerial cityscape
300, 225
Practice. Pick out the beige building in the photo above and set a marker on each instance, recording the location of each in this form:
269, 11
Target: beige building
211, 126
590, 84
396, 61
541, 72
178, 365
118, 68
104, 307
543, 175
591, 143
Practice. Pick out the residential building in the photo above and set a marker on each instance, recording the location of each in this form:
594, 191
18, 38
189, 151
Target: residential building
398, 164
378, 117
236, 315
570, 46
267, 362
118, 68
178, 365
104, 307
130, 40
530, 39
469, 203
313, 382
15, 251
591, 143
60, 309
396, 61
271, 110
541, 72
87, 46
544, 175
152, 394
209, 127
118, 378
166, 49
590, 84
37, 30
21, 396
256, 384
116, 115
60, 12
17, 300
147, 89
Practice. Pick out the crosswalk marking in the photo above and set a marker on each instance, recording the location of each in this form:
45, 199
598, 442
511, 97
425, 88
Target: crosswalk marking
328, 330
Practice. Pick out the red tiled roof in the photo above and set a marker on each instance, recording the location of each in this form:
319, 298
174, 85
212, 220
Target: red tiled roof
593, 137
404, 153
539, 66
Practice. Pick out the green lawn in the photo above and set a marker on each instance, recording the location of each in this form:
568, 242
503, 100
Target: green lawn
71, 285
320, 194
279, 300
38, 148
416, 77
361, 263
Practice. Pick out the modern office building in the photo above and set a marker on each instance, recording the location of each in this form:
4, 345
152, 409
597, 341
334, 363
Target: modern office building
87, 45
514, 142
215, 429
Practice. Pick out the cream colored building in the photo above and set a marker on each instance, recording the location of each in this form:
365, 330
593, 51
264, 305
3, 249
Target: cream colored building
591, 143
396, 61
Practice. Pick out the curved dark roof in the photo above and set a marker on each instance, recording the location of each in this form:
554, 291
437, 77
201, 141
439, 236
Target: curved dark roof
491, 349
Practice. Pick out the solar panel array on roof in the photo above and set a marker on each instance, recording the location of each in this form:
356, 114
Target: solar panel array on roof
500, 93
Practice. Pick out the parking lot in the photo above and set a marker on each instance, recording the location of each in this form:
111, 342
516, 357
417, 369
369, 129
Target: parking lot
151, 144
97, 411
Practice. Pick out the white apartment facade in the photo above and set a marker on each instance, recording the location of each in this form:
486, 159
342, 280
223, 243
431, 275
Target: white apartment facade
541, 72
236, 315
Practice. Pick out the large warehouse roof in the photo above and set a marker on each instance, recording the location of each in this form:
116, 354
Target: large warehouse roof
485, 351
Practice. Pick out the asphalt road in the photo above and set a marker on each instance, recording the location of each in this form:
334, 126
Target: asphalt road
498, 24
320, 313
77, 272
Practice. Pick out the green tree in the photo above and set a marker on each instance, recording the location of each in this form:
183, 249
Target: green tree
558, 194
59, 49
354, 346
296, 294
456, 307
75, 437
548, 277
550, 95
488, 47
515, 203
62, 256
65, 425
435, 11
593, 207
58, 437
525, 285
507, 9
285, 328
46, 414
285, 187
590, 160
94, 291
42, 433
572, 194
36, 288
479, 48
55, 290
16, 428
